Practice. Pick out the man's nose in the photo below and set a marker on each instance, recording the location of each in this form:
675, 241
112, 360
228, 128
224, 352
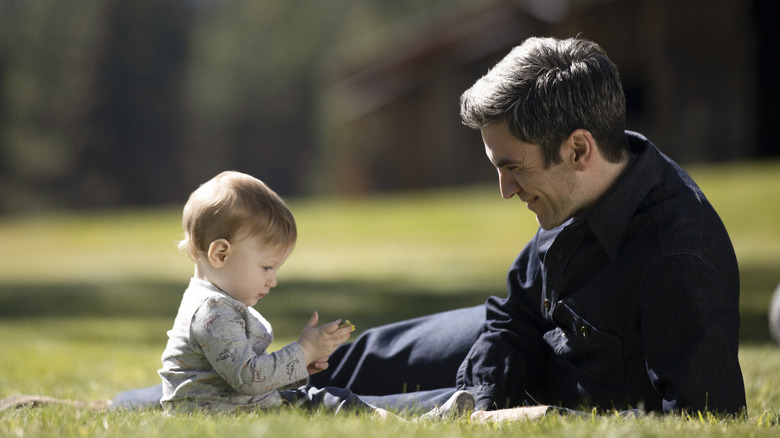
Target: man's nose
507, 184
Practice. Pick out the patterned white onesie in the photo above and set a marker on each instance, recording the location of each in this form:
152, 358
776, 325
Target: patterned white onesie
217, 358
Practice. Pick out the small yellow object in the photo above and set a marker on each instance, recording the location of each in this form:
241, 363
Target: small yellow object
347, 323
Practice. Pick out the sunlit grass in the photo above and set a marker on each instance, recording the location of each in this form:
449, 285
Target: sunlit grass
441, 239
93, 247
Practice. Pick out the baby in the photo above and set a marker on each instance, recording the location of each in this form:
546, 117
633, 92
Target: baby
238, 232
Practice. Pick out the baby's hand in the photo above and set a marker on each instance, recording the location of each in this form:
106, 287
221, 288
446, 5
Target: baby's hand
317, 366
319, 342
347, 323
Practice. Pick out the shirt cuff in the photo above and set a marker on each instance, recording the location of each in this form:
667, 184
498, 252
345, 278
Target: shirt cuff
483, 398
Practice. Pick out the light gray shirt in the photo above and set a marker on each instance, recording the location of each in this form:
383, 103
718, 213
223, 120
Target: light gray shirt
217, 357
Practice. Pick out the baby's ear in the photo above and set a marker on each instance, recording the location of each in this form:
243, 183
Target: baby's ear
219, 251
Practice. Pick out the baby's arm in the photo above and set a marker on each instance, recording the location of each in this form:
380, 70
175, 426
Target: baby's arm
219, 329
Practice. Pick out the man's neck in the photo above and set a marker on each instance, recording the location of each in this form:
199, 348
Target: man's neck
604, 176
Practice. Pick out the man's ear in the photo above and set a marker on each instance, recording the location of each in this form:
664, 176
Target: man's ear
219, 251
581, 148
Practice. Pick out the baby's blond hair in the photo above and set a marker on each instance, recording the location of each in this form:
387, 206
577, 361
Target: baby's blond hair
232, 206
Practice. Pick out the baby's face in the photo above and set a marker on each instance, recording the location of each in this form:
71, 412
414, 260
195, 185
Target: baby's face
250, 270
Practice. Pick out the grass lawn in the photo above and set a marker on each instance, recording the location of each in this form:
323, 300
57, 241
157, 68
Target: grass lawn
86, 299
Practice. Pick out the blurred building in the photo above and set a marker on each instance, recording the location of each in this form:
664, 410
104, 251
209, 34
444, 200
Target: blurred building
690, 69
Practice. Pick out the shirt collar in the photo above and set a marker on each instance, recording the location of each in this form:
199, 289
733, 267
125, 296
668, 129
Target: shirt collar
203, 284
611, 216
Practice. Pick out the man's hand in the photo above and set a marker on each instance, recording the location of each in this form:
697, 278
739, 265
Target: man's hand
513, 414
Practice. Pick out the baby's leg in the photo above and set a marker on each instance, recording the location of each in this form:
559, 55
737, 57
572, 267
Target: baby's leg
332, 399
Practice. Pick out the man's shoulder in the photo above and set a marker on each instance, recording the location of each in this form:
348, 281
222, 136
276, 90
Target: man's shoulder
681, 214
666, 205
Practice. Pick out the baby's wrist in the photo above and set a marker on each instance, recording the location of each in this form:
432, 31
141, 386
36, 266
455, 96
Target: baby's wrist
307, 356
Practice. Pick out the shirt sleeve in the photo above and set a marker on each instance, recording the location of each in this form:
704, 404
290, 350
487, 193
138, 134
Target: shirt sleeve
510, 353
690, 327
219, 329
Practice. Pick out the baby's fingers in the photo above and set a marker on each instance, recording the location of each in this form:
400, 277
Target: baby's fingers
313, 320
338, 324
347, 324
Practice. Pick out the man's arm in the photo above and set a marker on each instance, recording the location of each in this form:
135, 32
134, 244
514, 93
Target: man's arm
510, 353
690, 329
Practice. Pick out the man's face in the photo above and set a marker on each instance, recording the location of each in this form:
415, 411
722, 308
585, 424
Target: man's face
551, 193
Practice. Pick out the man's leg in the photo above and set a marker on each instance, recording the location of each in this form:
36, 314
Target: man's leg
419, 354
142, 398
418, 402
414, 355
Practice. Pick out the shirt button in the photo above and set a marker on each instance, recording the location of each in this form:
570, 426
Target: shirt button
546, 304
584, 331
560, 256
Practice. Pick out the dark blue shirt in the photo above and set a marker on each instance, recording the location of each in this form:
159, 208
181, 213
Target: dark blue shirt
633, 306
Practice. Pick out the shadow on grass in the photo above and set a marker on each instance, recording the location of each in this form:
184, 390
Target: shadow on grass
288, 307
131, 299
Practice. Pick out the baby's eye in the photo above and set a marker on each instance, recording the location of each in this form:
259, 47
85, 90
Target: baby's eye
268, 268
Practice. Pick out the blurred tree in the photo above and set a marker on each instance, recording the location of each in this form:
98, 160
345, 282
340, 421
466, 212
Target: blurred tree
46, 51
111, 102
133, 133
255, 79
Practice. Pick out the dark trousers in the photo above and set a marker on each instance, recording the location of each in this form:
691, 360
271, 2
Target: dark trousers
414, 355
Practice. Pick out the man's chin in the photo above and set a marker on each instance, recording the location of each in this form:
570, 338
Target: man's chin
548, 225
542, 224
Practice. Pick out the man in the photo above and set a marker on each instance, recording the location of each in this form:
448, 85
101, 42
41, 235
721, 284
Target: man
627, 296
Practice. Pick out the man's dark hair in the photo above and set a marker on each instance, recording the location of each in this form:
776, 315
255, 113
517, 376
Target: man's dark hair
546, 88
